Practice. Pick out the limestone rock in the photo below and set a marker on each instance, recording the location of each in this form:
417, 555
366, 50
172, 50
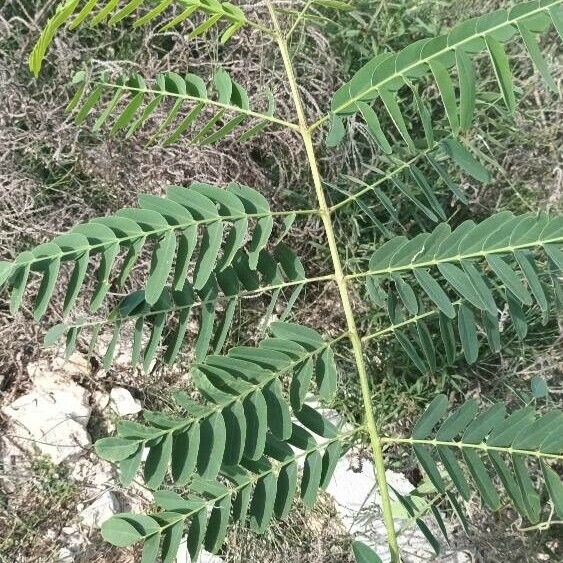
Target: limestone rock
105, 506
65, 555
123, 403
205, 557
52, 416
97, 474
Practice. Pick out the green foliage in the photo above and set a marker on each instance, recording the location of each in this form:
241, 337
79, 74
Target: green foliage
508, 442
80, 13
243, 433
231, 451
166, 321
129, 103
460, 272
364, 553
172, 224
384, 76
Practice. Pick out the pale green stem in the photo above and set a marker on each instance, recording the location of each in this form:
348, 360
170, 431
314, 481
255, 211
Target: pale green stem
344, 295
457, 258
462, 445
300, 16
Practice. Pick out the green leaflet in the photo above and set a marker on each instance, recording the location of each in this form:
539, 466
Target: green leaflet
263, 502
460, 281
466, 161
372, 121
480, 286
217, 525
435, 292
364, 553
467, 88
124, 530
336, 132
510, 279
157, 462
212, 446
433, 413
115, 449
326, 374
555, 488
50, 272
397, 118
185, 447
528, 267
448, 337
534, 51
502, 71
446, 87
196, 533
311, 480
426, 119
482, 479
171, 542
300, 384
424, 456
286, 487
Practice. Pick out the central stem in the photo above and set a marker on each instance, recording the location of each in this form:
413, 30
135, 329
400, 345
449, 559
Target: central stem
342, 283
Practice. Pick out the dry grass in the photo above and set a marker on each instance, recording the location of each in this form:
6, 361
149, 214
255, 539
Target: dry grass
55, 174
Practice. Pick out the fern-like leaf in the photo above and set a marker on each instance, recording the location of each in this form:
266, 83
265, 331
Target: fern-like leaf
166, 322
383, 77
245, 401
76, 14
463, 273
244, 433
468, 438
127, 104
172, 223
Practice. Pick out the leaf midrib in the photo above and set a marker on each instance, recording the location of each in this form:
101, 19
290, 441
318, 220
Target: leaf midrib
456, 258
464, 445
209, 101
152, 233
219, 407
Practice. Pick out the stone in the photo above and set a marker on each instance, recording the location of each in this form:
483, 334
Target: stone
97, 474
65, 555
105, 506
123, 403
52, 416
357, 500
205, 557
100, 400
75, 365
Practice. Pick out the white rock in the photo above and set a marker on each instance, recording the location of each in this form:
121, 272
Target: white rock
65, 556
123, 403
354, 490
76, 364
52, 417
74, 539
98, 474
101, 400
100, 510
205, 557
